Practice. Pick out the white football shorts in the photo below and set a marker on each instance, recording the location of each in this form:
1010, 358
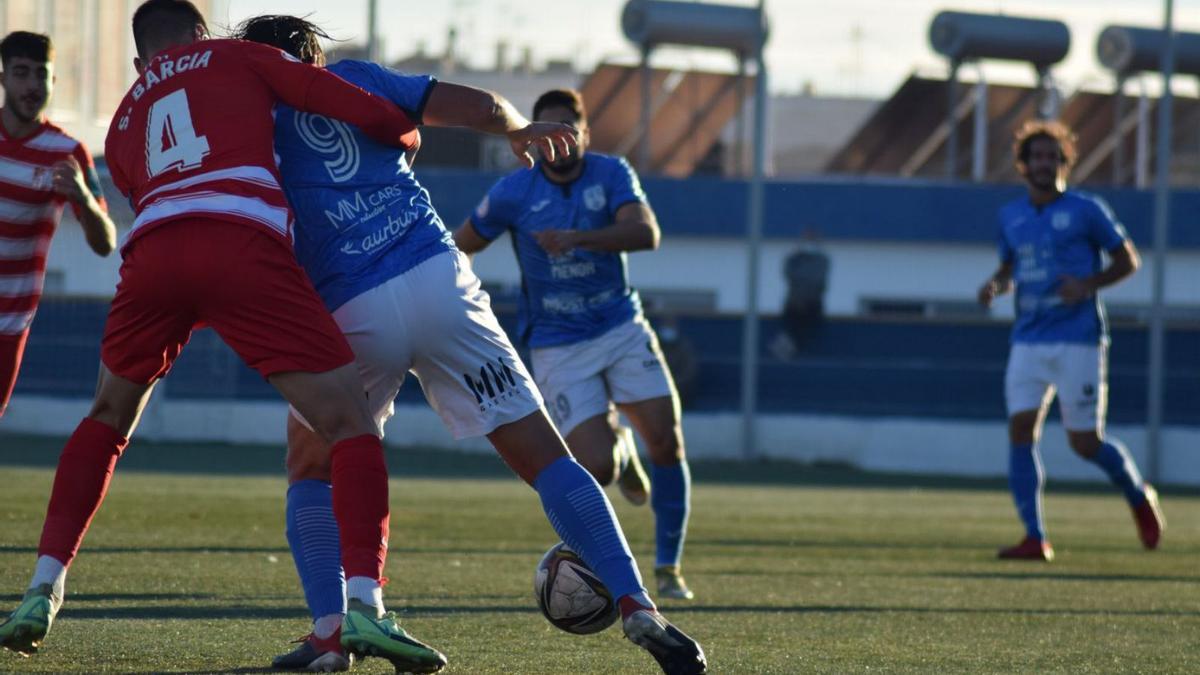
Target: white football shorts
437, 321
624, 365
1077, 372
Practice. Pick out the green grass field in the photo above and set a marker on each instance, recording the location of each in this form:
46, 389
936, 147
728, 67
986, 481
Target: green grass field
795, 569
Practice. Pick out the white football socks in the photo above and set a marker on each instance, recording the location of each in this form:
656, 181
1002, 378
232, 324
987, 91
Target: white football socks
50, 571
327, 625
365, 590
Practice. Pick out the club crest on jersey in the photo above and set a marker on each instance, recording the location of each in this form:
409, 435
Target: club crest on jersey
1061, 220
593, 198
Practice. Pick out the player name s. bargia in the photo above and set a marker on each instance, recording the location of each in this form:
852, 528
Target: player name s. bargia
166, 69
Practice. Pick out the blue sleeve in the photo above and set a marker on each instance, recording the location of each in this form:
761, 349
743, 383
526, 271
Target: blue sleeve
409, 92
1003, 246
495, 213
624, 186
1105, 231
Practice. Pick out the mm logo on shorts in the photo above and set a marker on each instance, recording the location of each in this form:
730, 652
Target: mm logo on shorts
496, 382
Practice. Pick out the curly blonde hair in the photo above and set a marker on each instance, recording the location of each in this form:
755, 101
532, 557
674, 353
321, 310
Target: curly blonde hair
1049, 129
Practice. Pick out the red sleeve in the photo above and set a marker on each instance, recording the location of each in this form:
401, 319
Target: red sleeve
316, 90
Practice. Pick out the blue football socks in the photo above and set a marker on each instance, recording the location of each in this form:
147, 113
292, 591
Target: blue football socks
1114, 459
1025, 480
670, 497
312, 533
584, 519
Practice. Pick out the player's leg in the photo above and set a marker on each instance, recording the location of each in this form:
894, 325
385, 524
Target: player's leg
582, 516
380, 339
312, 536
81, 480
12, 347
473, 378
570, 377
657, 422
143, 334
265, 308
1027, 395
641, 384
1083, 397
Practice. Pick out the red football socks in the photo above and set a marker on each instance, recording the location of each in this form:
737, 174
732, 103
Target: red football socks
360, 504
84, 470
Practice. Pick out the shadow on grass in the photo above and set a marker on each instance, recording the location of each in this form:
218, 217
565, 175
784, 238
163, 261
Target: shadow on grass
106, 597
247, 612
242, 612
711, 544
284, 551
1066, 576
869, 609
999, 575
267, 460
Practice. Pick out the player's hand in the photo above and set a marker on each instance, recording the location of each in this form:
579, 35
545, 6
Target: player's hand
67, 180
554, 138
410, 155
988, 292
1072, 290
557, 242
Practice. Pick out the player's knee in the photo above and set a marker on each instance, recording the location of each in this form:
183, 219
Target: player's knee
105, 412
307, 465
602, 468
665, 445
1085, 444
335, 423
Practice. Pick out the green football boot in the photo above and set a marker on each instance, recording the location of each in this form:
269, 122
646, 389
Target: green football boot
366, 633
671, 584
29, 623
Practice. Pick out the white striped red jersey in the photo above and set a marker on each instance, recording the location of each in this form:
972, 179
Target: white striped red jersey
29, 214
194, 136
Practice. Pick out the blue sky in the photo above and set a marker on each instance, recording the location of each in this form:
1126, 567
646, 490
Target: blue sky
845, 47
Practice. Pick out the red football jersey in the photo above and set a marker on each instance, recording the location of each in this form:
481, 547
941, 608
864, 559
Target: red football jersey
194, 136
29, 213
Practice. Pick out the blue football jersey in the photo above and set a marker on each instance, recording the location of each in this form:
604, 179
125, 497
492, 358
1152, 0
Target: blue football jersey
361, 216
1063, 238
580, 294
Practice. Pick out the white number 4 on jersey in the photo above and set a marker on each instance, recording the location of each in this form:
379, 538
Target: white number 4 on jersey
171, 140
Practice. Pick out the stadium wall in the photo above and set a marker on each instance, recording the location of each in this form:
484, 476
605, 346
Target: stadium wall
861, 394
898, 445
915, 396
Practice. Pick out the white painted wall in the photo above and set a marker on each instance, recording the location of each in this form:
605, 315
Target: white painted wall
897, 445
857, 270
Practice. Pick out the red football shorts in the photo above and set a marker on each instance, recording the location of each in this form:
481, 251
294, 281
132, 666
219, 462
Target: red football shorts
11, 349
240, 281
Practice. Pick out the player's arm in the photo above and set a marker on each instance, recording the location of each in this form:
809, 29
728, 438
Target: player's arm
82, 191
998, 284
1109, 235
456, 105
634, 228
1124, 261
316, 90
468, 240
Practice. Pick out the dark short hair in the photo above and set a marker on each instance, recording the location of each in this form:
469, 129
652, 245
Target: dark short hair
570, 99
1049, 130
32, 46
158, 19
293, 34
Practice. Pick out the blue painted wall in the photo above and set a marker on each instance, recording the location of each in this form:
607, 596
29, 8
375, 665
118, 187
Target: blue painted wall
849, 367
840, 209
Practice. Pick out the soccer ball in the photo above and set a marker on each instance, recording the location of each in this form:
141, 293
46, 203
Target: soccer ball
570, 594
